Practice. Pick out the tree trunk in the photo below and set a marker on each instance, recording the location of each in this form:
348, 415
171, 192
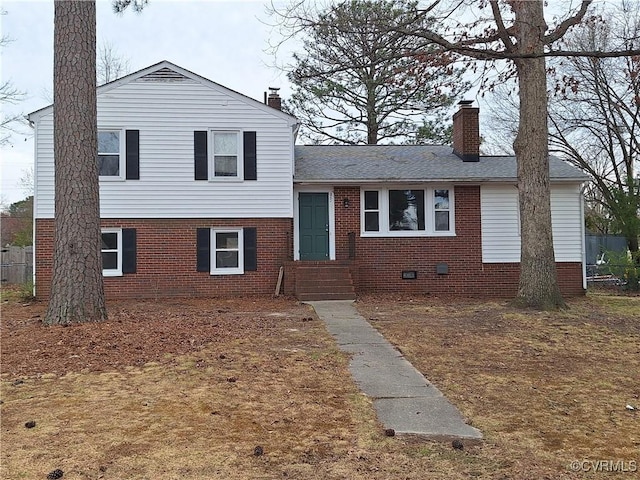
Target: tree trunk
77, 293
538, 287
373, 126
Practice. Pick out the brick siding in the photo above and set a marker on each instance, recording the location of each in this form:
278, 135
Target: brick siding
379, 261
166, 259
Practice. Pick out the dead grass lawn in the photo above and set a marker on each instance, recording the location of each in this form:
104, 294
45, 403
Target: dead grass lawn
545, 388
186, 389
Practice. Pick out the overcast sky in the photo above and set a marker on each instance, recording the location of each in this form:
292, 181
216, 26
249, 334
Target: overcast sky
224, 41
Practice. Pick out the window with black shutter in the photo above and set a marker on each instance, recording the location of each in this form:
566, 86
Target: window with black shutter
225, 155
226, 250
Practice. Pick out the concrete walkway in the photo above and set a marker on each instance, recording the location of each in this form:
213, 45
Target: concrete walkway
403, 398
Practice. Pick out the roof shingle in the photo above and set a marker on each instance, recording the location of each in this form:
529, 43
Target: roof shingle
379, 163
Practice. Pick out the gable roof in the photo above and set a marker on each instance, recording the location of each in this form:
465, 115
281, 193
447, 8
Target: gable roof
351, 164
167, 71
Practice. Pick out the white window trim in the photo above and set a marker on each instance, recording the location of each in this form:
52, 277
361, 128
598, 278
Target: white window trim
365, 210
383, 208
123, 154
227, 271
117, 272
240, 158
432, 209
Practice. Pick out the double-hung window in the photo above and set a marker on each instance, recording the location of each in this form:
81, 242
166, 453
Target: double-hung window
118, 154
225, 155
110, 154
407, 211
371, 211
112, 252
441, 210
227, 251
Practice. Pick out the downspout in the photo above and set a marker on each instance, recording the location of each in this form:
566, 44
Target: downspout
295, 128
35, 189
583, 249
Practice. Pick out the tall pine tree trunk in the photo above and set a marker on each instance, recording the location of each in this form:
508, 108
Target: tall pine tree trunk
538, 285
77, 292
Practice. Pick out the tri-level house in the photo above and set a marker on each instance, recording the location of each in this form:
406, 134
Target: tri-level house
203, 192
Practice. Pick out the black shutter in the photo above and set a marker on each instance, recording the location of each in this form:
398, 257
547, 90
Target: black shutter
250, 156
201, 157
132, 150
203, 248
129, 250
250, 249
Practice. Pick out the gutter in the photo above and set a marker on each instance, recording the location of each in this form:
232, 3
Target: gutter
342, 181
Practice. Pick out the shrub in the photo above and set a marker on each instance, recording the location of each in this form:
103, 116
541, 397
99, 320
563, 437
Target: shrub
625, 267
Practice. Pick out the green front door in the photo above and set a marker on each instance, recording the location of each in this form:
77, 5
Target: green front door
314, 226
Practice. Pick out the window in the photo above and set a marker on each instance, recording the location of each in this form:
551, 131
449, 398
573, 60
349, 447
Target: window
111, 252
220, 155
119, 154
225, 154
406, 209
226, 249
407, 212
109, 153
371, 211
441, 210
119, 251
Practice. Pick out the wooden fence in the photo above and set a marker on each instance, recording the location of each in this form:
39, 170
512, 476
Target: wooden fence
17, 264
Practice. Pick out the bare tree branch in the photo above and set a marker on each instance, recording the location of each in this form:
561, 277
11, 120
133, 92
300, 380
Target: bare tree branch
110, 65
572, 21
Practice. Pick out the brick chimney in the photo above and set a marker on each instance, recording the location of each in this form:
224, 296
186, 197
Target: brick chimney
274, 100
466, 132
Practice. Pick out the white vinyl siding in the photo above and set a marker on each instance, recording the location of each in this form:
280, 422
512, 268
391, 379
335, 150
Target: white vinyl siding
501, 229
500, 223
567, 220
167, 113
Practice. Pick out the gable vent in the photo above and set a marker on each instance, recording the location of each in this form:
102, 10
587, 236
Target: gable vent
164, 75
